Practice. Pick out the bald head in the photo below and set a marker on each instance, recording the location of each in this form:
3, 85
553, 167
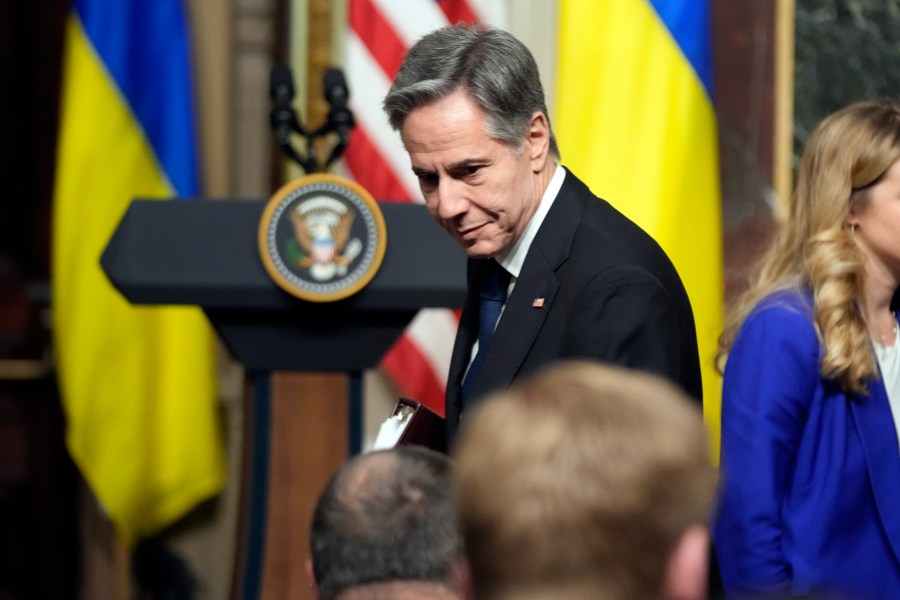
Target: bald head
386, 516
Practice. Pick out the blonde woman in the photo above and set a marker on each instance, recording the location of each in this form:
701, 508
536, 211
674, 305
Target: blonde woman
811, 400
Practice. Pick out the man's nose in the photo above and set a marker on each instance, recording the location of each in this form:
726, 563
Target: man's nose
451, 198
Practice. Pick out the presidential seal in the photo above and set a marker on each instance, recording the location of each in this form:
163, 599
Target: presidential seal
322, 238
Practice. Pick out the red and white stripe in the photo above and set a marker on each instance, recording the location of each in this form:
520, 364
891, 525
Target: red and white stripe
379, 33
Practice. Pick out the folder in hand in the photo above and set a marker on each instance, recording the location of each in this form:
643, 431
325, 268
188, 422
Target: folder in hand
412, 422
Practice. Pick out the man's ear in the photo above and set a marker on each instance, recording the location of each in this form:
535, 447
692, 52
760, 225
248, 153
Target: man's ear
537, 141
311, 575
687, 568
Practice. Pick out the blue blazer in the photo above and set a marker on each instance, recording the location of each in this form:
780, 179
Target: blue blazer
810, 500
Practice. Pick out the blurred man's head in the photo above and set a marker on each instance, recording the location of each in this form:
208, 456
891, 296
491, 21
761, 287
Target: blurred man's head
586, 481
385, 527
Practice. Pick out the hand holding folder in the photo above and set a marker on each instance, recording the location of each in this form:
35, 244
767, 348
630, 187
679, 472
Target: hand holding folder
411, 422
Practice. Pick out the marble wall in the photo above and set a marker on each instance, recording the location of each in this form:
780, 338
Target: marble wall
846, 50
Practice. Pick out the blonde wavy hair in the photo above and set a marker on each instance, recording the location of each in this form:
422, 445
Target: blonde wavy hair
815, 249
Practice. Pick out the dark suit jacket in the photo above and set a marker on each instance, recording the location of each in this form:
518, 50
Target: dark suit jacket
609, 293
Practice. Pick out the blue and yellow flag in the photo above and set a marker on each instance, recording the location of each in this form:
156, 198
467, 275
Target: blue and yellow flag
138, 383
635, 121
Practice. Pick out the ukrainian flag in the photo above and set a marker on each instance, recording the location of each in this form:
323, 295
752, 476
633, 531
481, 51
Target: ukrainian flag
138, 384
635, 121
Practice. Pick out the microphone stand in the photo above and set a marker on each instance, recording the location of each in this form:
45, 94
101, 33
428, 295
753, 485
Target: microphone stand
285, 124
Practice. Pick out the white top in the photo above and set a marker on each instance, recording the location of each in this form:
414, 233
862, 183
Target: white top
889, 363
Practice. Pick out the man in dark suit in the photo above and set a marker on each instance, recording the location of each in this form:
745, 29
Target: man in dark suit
577, 279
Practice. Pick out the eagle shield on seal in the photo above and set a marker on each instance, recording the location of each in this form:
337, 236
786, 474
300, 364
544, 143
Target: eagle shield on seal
322, 227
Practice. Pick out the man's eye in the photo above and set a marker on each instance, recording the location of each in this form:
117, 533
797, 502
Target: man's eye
467, 171
427, 178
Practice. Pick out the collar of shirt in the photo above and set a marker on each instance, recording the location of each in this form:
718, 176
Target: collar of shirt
513, 257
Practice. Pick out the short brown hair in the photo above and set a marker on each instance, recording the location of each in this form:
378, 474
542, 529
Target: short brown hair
580, 478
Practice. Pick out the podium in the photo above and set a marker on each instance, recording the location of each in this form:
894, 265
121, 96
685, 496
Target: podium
204, 252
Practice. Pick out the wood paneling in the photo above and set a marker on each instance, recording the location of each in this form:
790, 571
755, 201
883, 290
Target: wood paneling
309, 441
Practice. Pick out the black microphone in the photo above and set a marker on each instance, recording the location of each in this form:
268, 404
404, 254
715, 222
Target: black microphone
340, 118
282, 118
281, 84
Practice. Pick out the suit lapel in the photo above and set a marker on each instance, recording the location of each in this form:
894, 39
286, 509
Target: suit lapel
466, 334
518, 327
878, 437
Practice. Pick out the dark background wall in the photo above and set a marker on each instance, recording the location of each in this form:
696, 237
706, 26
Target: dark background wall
744, 59
846, 50
38, 482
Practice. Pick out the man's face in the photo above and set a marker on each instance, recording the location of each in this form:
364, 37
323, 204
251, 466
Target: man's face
477, 188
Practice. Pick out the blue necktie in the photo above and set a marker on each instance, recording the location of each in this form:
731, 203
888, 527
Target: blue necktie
492, 293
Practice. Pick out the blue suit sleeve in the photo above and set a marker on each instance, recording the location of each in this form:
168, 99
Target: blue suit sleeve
770, 380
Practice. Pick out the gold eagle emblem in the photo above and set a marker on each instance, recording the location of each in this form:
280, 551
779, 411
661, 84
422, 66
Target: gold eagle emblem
322, 227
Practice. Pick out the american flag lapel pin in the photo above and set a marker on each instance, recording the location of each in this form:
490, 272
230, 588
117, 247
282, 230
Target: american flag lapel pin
538, 303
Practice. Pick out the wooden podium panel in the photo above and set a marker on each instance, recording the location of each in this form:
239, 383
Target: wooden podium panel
309, 441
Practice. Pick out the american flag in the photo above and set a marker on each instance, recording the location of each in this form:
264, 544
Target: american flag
378, 36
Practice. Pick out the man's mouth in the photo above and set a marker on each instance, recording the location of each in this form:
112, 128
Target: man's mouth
471, 232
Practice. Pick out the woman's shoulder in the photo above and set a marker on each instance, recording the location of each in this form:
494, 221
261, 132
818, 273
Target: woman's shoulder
786, 313
780, 329
791, 304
